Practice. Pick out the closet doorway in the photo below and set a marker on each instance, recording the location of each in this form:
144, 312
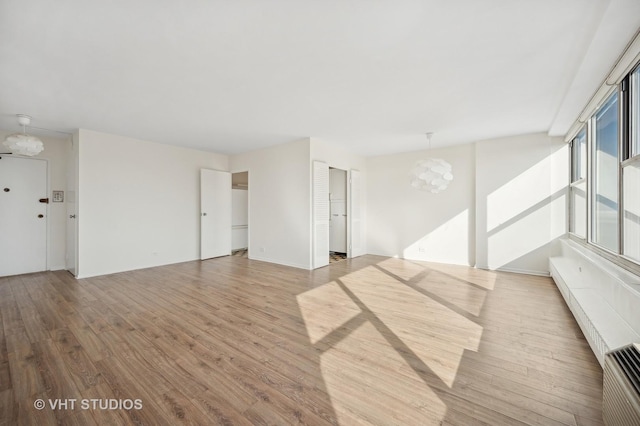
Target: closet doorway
338, 242
324, 199
240, 214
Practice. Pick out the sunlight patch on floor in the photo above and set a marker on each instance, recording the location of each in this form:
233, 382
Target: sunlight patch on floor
422, 330
364, 363
427, 328
477, 277
324, 309
458, 293
401, 268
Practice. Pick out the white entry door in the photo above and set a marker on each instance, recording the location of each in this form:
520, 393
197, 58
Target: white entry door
215, 213
23, 218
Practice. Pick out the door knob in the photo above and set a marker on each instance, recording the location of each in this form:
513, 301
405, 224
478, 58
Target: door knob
204, 214
40, 216
72, 216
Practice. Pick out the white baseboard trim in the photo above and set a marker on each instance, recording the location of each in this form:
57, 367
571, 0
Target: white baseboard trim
279, 262
524, 271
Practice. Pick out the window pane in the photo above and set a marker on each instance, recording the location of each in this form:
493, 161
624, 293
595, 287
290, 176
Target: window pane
578, 223
631, 202
605, 182
635, 113
579, 156
583, 153
578, 194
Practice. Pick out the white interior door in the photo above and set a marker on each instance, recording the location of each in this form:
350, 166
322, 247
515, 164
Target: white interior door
320, 214
356, 244
23, 218
215, 213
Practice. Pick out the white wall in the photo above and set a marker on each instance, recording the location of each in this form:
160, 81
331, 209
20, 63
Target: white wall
335, 156
412, 224
279, 203
521, 185
505, 208
55, 152
138, 203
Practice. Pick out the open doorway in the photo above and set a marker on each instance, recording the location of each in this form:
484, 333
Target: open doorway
321, 215
240, 214
337, 215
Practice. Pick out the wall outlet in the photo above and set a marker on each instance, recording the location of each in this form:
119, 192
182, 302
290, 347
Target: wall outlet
421, 250
262, 250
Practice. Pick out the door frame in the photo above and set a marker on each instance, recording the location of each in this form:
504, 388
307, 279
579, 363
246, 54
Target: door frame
349, 207
351, 253
72, 184
318, 256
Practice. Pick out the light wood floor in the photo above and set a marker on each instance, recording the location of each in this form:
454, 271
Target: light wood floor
234, 341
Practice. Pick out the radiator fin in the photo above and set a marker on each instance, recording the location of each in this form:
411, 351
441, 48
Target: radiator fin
628, 359
621, 387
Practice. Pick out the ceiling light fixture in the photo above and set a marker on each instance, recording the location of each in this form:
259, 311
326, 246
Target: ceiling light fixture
22, 143
432, 174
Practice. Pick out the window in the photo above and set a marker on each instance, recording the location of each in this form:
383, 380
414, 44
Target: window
604, 188
631, 216
631, 174
635, 113
578, 188
605, 176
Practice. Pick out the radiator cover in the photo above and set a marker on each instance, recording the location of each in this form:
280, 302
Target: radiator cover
621, 387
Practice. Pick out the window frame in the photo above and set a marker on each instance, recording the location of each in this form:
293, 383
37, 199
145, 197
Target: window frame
626, 157
573, 158
591, 143
635, 120
626, 142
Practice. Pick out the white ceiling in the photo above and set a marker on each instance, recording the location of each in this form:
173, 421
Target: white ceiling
373, 75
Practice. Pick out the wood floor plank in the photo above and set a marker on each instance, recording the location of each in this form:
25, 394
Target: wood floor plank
227, 341
26, 380
57, 380
82, 369
8, 408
